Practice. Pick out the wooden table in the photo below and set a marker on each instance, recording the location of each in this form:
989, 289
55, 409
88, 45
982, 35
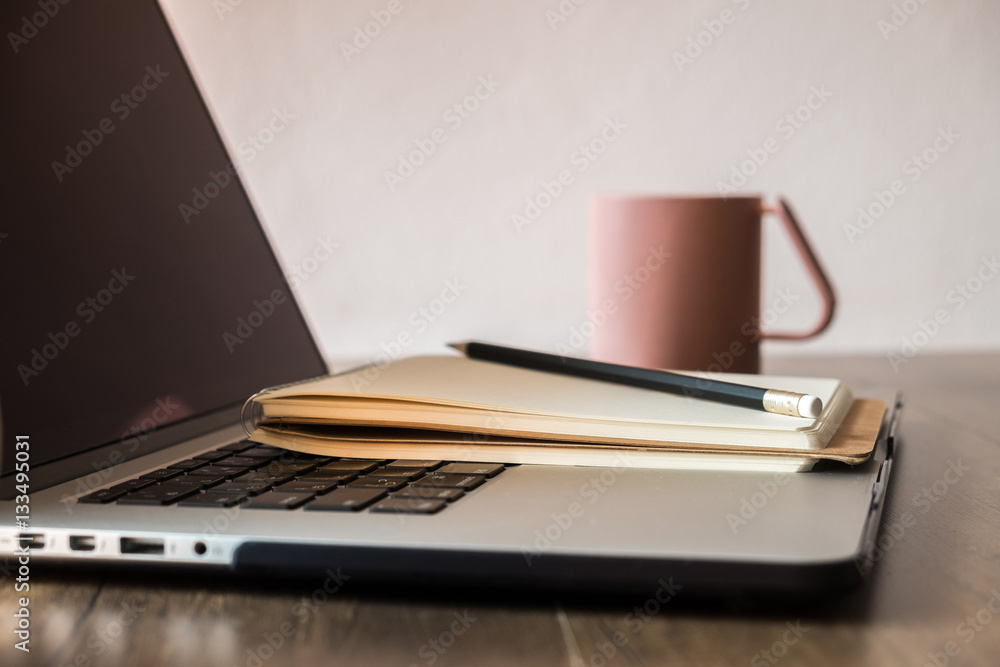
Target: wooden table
930, 593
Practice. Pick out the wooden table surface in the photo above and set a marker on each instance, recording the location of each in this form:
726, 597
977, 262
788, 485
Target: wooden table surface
929, 594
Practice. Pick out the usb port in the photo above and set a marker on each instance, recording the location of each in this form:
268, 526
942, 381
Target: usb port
82, 542
31, 540
152, 546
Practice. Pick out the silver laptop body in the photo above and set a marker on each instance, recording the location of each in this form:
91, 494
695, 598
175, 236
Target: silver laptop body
119, 365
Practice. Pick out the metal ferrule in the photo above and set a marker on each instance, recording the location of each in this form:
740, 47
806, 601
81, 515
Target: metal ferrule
782, 402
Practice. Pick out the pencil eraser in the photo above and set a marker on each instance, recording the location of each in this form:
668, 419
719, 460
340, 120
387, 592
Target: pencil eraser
810, 406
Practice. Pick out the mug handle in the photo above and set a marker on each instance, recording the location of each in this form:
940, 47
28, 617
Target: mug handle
783, 211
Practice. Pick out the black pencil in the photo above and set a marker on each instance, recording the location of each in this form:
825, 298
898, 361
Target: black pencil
758, 398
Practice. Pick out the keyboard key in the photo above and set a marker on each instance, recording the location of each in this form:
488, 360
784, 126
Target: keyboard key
188, 464
196, 480
276, 500
414, 463
238, 446
439, 479
200, 481
487, 469
212, 499
332, 475
99, 497
259, 475
216, 455
345, 500
429, 492
279, 467
310, 458
377, 482
115, 492
315, 487
263, 452
161, 474
131, 485
248, 461
157, 495
246, 488
358, 467
409, 505
243, 492
403, 473
225, 471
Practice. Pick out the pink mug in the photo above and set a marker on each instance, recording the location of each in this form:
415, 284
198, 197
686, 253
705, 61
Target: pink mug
677, 281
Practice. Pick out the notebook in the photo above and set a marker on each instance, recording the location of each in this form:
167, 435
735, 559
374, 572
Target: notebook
468, 410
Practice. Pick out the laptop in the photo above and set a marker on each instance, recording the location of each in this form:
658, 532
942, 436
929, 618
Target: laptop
143, 304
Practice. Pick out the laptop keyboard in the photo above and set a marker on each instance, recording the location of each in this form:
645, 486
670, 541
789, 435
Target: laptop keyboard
263, 477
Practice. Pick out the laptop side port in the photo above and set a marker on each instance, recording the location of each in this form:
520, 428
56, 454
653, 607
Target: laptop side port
31, 540
82, 542
150, 546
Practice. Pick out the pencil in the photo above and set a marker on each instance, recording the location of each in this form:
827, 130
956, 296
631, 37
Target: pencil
757, 398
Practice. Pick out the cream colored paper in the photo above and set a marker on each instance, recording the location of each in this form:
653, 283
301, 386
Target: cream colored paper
452, 393
853, 443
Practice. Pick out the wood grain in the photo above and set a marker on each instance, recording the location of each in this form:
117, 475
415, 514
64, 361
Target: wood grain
942, 567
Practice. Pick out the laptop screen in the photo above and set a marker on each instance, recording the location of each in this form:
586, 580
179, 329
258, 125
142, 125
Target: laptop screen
138, 288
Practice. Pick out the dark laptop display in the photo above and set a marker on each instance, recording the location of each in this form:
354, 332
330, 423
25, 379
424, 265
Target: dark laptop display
113, 174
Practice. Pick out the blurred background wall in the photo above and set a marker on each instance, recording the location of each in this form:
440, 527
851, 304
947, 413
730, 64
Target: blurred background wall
391, 146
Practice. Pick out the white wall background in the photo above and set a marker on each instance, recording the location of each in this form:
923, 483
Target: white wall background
323, 175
